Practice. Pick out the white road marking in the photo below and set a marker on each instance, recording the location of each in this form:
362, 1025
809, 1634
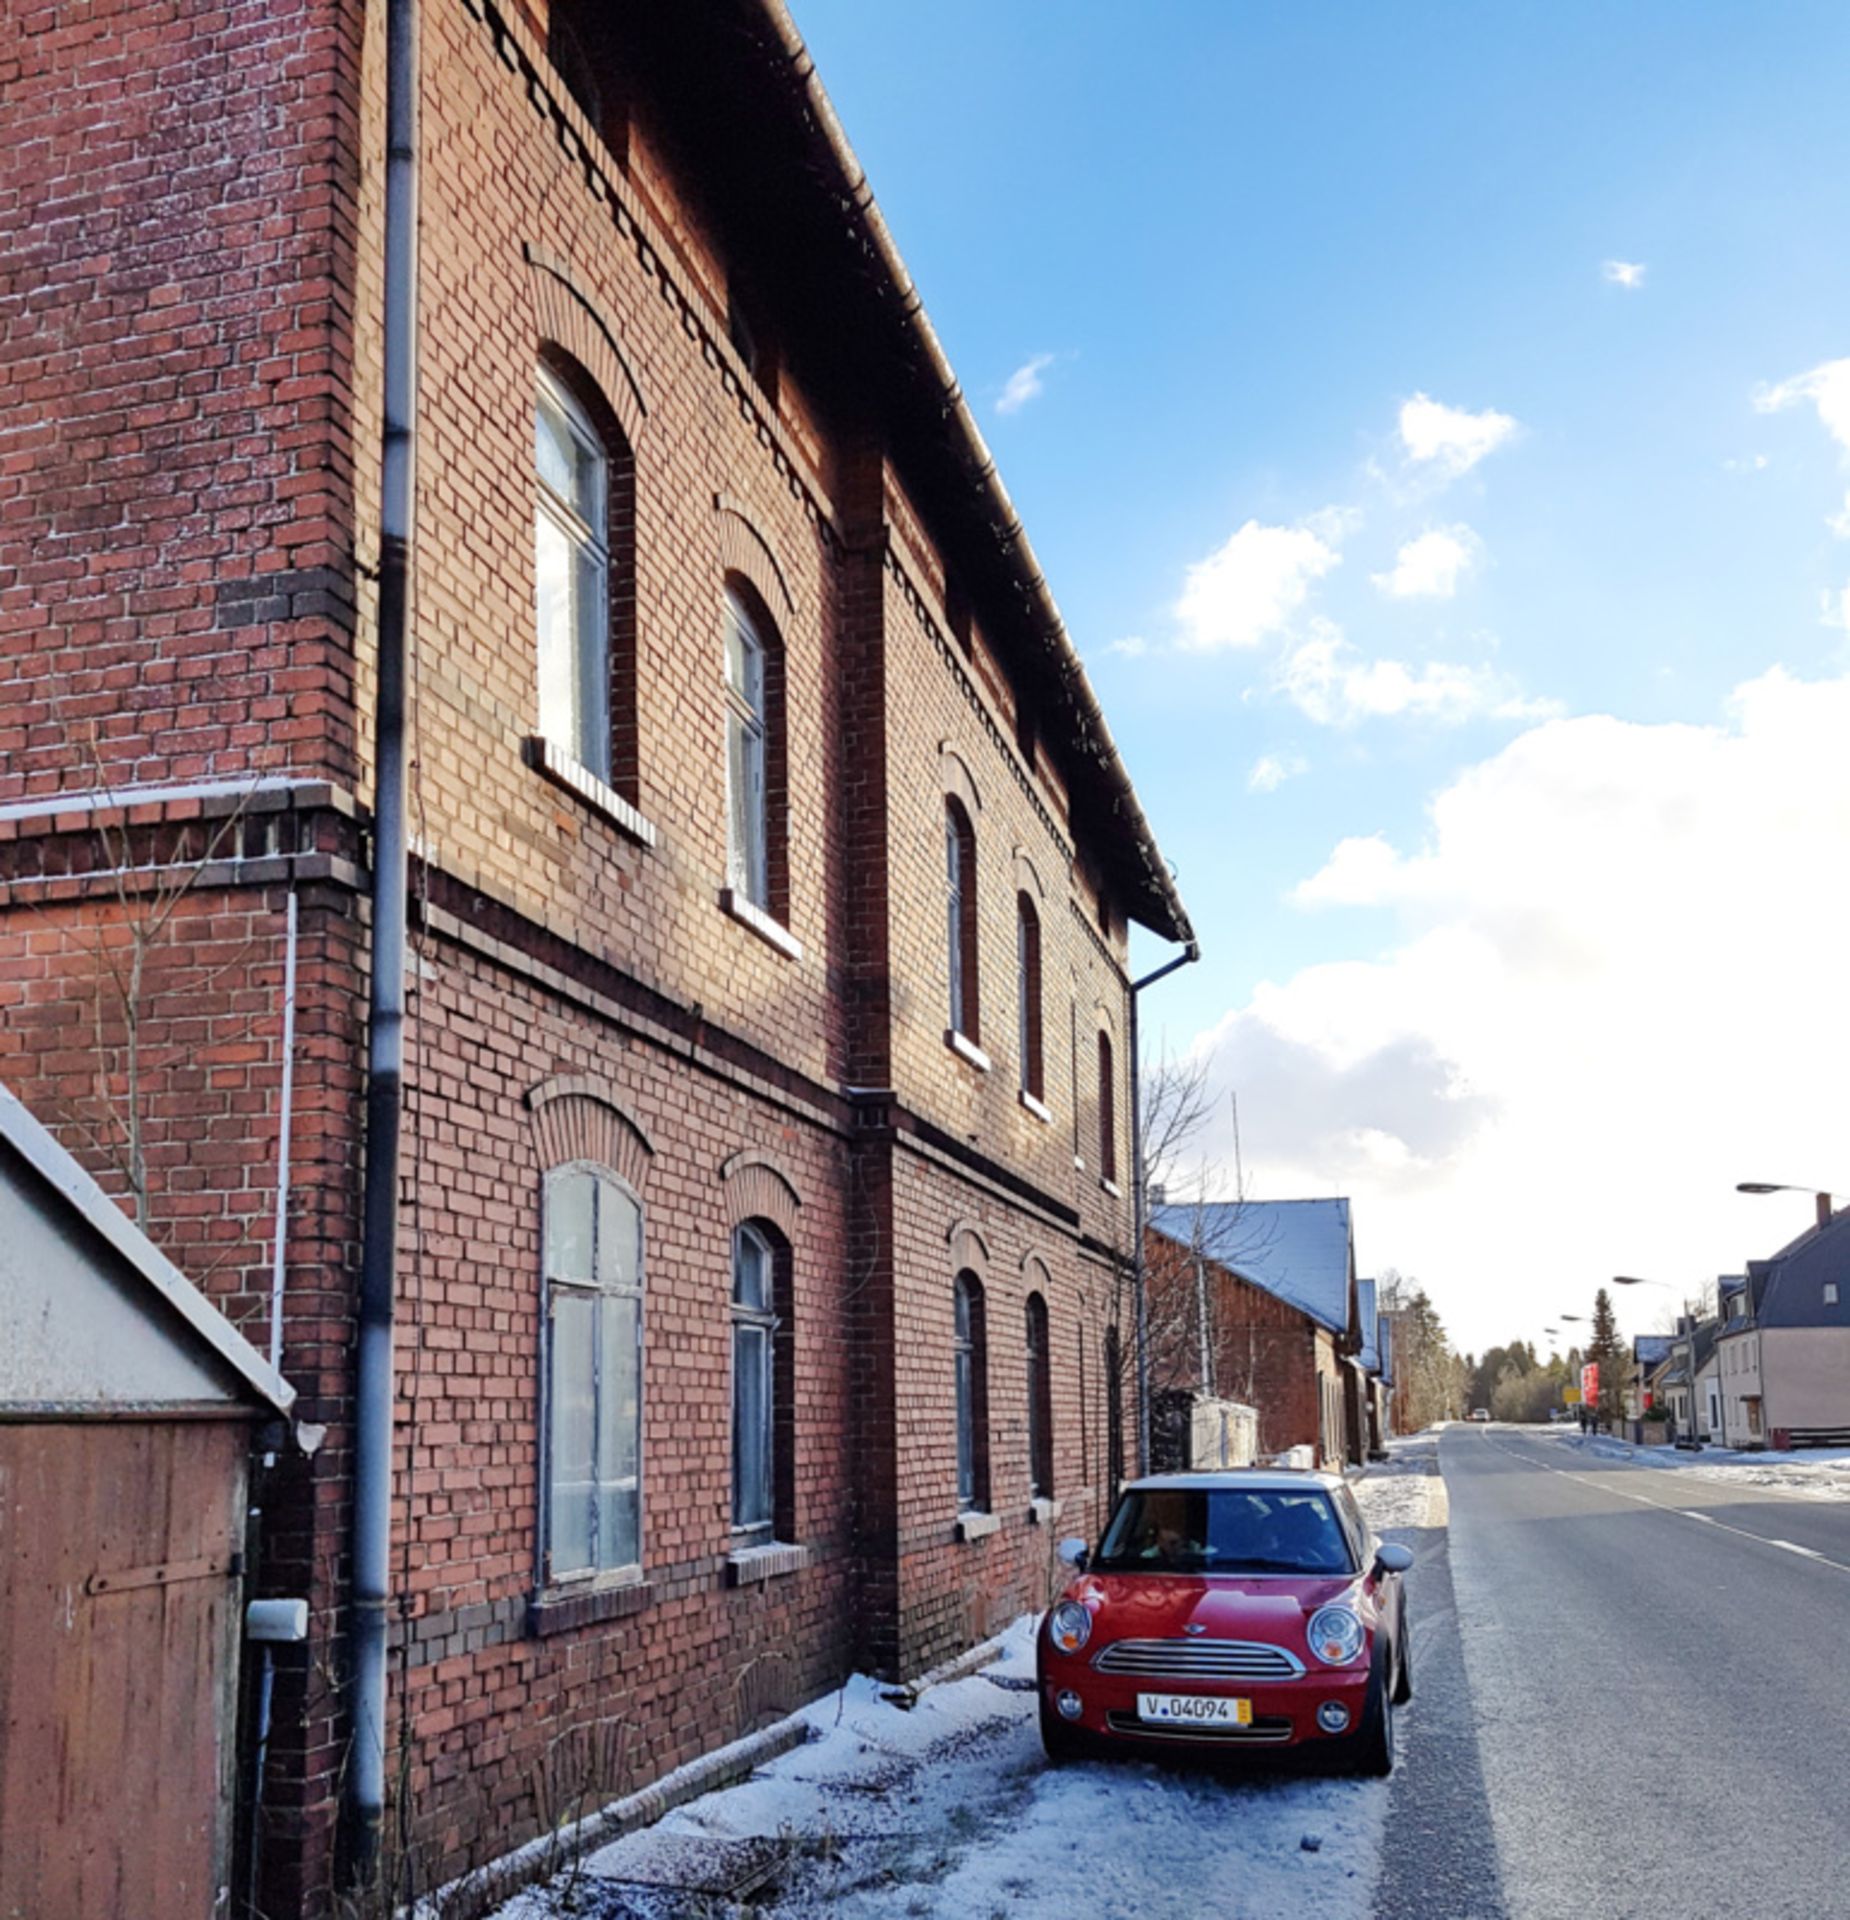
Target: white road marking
1685, 1513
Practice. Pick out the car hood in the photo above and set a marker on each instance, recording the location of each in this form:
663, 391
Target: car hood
1222, 1606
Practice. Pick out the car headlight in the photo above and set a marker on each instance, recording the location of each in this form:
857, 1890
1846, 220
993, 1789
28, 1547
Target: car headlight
1070, 1626
1336, 1635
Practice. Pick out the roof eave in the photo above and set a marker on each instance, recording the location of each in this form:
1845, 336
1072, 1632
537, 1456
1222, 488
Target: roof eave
1160, 906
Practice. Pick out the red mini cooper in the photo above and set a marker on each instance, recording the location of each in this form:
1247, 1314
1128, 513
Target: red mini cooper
1228, 1611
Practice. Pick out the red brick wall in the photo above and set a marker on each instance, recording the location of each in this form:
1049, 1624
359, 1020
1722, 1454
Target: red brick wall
187, 499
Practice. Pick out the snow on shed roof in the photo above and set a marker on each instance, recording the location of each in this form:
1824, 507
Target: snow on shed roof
1299, 1251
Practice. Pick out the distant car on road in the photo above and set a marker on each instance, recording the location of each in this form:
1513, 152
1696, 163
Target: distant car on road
1480, 1413
1226, 1612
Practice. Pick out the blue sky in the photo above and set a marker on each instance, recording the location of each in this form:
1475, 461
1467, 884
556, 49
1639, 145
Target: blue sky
1354, 280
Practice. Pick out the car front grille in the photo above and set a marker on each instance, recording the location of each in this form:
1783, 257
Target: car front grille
1272, 1731
1199, 1660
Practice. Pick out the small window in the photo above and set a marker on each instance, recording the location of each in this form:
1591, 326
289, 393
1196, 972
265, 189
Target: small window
591, 1232
1028, 994
572, 579
1107, 1111
754, 1383
960, 912
1040, 1402
747, 813
969, 1350
1830, 1293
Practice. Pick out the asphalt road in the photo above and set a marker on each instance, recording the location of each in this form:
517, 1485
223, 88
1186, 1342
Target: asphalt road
1645, 1709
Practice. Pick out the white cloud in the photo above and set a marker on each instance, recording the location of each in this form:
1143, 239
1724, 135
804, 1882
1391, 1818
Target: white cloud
1252, 586
1827, 387
1430, 566
1611, 994
1628, 274
1271, 770
1836, 609
1330, 683
1451, 438
1024, 384
1132, 647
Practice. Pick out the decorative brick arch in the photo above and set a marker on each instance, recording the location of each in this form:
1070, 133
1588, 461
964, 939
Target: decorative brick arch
1036, 1275
580, 1117
566, 316
1027, 878
758, 1187
969, 1250
745, 549
954, 772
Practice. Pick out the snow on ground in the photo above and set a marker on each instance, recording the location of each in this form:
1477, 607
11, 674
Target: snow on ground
1822, 1473
1406, 1489
949, 1812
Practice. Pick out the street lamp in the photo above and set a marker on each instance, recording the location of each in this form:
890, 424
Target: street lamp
1822, 1198
1688, 1339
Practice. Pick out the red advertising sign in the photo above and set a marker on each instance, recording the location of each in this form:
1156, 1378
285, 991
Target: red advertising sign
1589, 1383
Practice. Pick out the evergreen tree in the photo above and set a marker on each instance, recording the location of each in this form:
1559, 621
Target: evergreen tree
1607, 1352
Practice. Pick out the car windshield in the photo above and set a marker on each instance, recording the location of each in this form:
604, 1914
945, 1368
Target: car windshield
1231, 1530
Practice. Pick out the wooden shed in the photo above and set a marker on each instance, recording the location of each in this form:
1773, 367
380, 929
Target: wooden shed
129, 1407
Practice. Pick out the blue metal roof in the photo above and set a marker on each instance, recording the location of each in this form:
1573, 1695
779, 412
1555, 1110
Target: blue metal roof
1369, 1319
1299, 1251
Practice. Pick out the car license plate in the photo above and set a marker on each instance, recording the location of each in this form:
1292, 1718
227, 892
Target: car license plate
1195, 1709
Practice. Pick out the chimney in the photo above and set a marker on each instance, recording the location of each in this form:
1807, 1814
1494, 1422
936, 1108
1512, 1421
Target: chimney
1159, 1194
1824, 1209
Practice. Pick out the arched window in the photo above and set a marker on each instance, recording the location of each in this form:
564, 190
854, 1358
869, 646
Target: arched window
1107, 1110
748, 755
970, 1348
572, 578
591, 1252
960, 917
1028, 991
754, 1381
1040, 1402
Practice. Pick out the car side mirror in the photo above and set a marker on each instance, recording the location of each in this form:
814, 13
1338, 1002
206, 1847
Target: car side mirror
1074, 1553
1392, 1557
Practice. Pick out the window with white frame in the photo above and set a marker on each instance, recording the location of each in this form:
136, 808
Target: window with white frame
754, 1381
572, 578
960, 918
969, 1349
592, 1254
748, 861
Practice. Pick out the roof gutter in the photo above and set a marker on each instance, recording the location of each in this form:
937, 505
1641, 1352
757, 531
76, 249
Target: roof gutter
1095, 735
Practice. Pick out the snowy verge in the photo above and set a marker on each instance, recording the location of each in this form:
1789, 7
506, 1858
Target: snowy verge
949, 1811
1819, 1473
1407, 1489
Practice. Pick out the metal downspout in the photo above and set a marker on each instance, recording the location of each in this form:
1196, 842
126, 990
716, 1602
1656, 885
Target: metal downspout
373, 1388
1192, 952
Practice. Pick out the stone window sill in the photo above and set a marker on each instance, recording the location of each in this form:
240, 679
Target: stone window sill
1039, 1108
978, 1526
761, 923
966, 1049
1043, 1512
1111, 1187
552, 761
746, 1566
563, 1609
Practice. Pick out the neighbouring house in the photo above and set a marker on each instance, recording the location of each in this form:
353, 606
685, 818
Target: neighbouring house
1685, 1382
1783, 1366
1367, 1362
1388, 1384
1262, 1295
762, 1290
131, 1412
1650, 1351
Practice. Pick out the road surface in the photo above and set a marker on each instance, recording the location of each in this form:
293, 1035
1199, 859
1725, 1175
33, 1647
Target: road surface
1634, 1696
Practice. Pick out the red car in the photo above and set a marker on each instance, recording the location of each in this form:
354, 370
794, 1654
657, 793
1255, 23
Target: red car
1229, 1611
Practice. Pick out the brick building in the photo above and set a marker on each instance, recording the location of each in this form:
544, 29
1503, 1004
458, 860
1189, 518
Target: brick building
765, 1206
1274, 1283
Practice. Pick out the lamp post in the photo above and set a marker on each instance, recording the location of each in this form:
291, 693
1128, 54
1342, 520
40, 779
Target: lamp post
1818, 1194
1689, 1339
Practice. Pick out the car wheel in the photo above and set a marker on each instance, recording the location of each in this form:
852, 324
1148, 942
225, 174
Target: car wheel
1403, 1663
1373, 1753
1061, 1741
